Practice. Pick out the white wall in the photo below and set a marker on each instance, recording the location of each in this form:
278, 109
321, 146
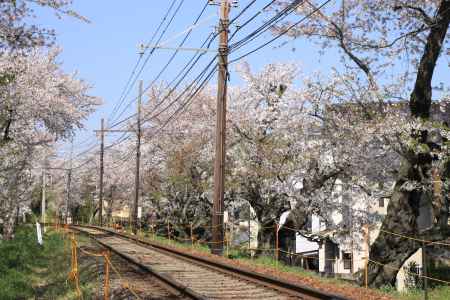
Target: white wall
302, 244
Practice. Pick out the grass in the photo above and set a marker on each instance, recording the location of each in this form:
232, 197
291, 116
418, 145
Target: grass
31, 271
436, 293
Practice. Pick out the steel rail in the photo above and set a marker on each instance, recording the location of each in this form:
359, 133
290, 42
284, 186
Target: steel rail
168, 283
283, 286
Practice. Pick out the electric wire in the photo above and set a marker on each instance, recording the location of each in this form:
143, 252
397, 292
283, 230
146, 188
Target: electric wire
267, 25
263, 28
121, 98
124, 92
251, 19
188, 34
186, 69
175, 13
196, 57
280, 34
184, 106
180, 95
244, 41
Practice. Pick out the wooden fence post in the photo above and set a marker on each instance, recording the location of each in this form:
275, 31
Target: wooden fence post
367, 243
192, 237
168, 230
106, 285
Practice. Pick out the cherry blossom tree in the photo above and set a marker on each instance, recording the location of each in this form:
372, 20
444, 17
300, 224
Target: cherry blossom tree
39, 104
177, 159
264, 119
15, 32
377, 39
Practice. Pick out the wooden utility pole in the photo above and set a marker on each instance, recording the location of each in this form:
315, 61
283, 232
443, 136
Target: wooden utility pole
102, 149
102, 132
69, 179
134, 220
366, 260
69, 182
219, 164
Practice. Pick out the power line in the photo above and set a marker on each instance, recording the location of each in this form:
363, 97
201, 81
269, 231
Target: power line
122, 98
186, 104
170, 92
250, 19
151, 52
196, 57
280, 34
243, 11
189, 66
290, 7
180, 95
266, 25
173, 55
239, 28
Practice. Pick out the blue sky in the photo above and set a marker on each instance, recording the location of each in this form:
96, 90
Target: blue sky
104, 51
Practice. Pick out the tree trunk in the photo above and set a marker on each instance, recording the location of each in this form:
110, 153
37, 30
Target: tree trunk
9, 226
392, 250
413, 214
389, 252
266, 238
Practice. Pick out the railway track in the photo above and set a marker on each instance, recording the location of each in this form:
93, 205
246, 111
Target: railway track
198, 277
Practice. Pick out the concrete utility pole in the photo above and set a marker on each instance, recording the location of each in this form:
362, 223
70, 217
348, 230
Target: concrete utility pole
102, 149
219, 164
138, 162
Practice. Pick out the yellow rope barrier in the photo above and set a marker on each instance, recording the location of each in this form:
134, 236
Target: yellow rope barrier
73, 274
124, 282
415, 239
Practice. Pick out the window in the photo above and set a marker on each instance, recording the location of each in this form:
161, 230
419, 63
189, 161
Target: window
381, 202
347, 258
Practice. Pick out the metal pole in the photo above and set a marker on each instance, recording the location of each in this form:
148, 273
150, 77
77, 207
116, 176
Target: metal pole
138, 160
219, 164
248, 230
43, 200
102, 149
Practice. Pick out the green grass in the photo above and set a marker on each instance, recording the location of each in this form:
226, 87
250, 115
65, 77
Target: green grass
173, 243
436, 293
270, 262
30, 271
